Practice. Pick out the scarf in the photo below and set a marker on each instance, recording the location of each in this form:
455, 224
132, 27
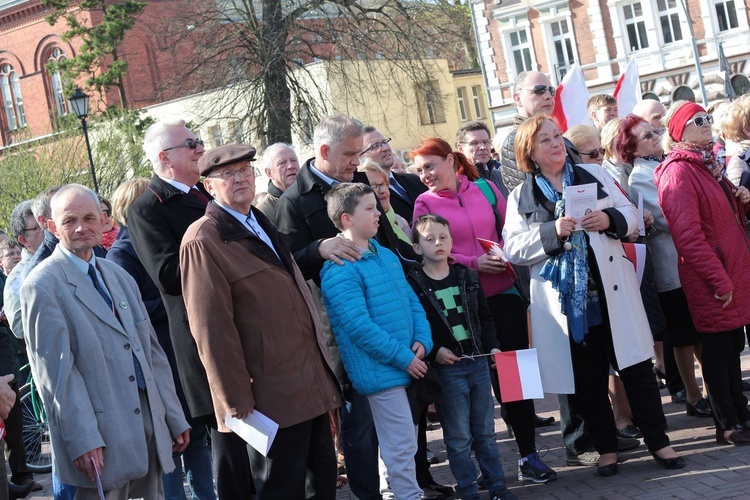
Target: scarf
568, 270
707, 153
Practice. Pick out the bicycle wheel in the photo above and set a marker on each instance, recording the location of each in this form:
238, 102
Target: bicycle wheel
36, 439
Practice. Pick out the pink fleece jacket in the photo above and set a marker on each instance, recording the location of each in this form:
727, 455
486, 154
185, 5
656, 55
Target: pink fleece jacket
470, 215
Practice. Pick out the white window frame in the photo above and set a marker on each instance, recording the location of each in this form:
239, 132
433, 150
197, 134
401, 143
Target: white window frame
670, 12
461, 99
714, 4
58, 88
643, 18
527, 45
12, 99
476, 95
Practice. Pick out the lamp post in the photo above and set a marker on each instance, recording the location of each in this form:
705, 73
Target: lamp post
79, 101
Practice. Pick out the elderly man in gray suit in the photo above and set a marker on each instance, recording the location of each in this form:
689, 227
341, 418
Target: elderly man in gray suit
105, 381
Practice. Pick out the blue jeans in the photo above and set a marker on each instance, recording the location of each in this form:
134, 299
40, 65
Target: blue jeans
466, 414
197, 457
60, 490
360, 443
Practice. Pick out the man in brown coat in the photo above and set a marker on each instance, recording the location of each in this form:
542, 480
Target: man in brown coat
257, 331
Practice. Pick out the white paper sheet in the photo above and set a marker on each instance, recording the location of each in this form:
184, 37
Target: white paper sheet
579, 200
257, 429
641, 223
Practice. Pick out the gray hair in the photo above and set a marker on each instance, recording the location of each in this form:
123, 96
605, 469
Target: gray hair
40, 205
69, 190
155, 139
335, 128
18, 218
271, 151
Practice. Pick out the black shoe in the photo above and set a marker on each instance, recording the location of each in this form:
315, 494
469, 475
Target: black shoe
15, 491
34, 485
440, 488
700, 409
430, 494
607, 470
627, 444
629, 432
432, 457
543, 422
680, 396
669, 463
661, 379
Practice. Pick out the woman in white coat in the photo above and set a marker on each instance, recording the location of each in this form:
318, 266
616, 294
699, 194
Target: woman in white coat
586, 310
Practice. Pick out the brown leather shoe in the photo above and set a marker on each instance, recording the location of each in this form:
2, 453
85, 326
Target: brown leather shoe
739, 436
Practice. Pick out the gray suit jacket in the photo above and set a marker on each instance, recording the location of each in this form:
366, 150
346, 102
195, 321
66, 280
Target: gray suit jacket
81, 358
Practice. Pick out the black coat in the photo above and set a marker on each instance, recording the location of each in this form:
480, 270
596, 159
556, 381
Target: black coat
157, 221
302, 216
413, 187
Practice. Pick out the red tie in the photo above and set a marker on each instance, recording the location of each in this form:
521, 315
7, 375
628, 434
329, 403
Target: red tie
195, 193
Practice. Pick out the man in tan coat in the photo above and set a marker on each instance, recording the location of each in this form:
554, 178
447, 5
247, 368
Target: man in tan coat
257, 331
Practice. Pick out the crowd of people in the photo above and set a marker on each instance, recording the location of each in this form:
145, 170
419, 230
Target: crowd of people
351, 296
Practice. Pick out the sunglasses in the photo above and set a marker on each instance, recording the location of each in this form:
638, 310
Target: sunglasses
541, 89
701, 121
190, 143
594, 154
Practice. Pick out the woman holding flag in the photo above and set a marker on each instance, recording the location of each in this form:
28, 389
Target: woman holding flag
586, 310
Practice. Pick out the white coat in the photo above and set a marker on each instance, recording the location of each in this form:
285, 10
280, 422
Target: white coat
530, 239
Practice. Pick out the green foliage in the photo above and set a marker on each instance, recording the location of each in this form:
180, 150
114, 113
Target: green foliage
97, 58
32, 166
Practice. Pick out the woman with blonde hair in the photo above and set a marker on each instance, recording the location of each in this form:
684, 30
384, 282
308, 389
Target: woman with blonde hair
612, 163
735, 126
587, 141
378, 179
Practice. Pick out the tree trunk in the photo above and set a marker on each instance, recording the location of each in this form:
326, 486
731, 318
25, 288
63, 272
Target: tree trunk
275, 86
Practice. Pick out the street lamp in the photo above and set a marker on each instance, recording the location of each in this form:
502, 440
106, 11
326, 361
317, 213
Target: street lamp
79, 101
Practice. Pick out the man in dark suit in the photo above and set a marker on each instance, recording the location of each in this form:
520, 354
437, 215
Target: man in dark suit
157, 222
473, 140
404, 187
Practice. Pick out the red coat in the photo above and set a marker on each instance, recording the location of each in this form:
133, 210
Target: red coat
709, 233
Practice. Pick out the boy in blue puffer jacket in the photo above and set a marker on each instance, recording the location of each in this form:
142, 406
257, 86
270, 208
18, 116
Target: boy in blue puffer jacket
381, 330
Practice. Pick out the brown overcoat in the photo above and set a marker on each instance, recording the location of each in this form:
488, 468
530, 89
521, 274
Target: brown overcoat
254, 322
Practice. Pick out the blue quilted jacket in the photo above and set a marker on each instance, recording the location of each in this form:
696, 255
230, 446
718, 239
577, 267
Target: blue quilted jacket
376, 317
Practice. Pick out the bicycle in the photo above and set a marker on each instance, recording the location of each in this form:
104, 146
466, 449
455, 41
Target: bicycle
36, 438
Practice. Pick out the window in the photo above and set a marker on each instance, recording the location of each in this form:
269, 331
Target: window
58, 86
683, 93
726, 15
635, 25
476, 93
306, 126
461, 95
740, 84
562, 43
520, 49
216, 137
430, 102
669, 20
236, 132
12, 100
650, 95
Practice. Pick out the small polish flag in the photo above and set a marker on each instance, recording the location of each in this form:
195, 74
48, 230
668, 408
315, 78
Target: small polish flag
518, 374
628, 89
570, 100
636, 253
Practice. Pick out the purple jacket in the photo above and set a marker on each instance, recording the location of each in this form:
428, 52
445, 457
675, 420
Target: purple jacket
470, 215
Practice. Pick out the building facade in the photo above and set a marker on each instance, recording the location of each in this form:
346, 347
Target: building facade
602, 35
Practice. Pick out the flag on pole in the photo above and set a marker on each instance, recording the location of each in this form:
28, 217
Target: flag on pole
518, 375
628, 89
724, 68
571, 99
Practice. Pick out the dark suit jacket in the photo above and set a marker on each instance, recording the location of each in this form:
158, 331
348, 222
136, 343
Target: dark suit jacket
413, 187
157, 221
301, 215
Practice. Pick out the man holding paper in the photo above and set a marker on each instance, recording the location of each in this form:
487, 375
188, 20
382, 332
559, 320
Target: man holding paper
258, 333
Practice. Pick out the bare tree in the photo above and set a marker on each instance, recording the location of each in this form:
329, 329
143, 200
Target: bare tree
260, 54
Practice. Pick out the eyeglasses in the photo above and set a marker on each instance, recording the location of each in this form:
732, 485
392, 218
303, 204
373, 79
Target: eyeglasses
541, 89
594, 154
648, 136
190, 143
229, 174
473, 144
375, 146
35, 228
701, 121
380, 187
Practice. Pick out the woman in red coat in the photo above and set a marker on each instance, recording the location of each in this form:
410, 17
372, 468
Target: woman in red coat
706, 216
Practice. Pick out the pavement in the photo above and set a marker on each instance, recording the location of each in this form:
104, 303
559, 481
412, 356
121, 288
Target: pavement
712, 471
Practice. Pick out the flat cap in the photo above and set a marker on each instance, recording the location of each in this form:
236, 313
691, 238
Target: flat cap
224, 155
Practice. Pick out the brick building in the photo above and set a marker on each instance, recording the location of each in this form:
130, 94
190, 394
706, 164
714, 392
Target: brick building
601, 35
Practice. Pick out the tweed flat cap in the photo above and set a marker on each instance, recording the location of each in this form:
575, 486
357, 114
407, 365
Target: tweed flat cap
225, 155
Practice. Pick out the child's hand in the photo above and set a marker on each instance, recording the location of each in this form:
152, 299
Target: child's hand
446, 357
418, 350
417, 368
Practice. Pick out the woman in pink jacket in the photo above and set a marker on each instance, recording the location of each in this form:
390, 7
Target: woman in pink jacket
706, 217
475, 212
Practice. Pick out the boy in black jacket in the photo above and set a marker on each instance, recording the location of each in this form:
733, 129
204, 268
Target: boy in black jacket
462, 327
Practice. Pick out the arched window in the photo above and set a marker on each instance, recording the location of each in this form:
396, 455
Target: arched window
10, 90
650, 95
741, 84
683, 93
58, 86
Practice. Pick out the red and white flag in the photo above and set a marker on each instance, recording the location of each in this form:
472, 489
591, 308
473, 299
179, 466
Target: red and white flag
636, 253
628, 89
518, 374
571, 99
